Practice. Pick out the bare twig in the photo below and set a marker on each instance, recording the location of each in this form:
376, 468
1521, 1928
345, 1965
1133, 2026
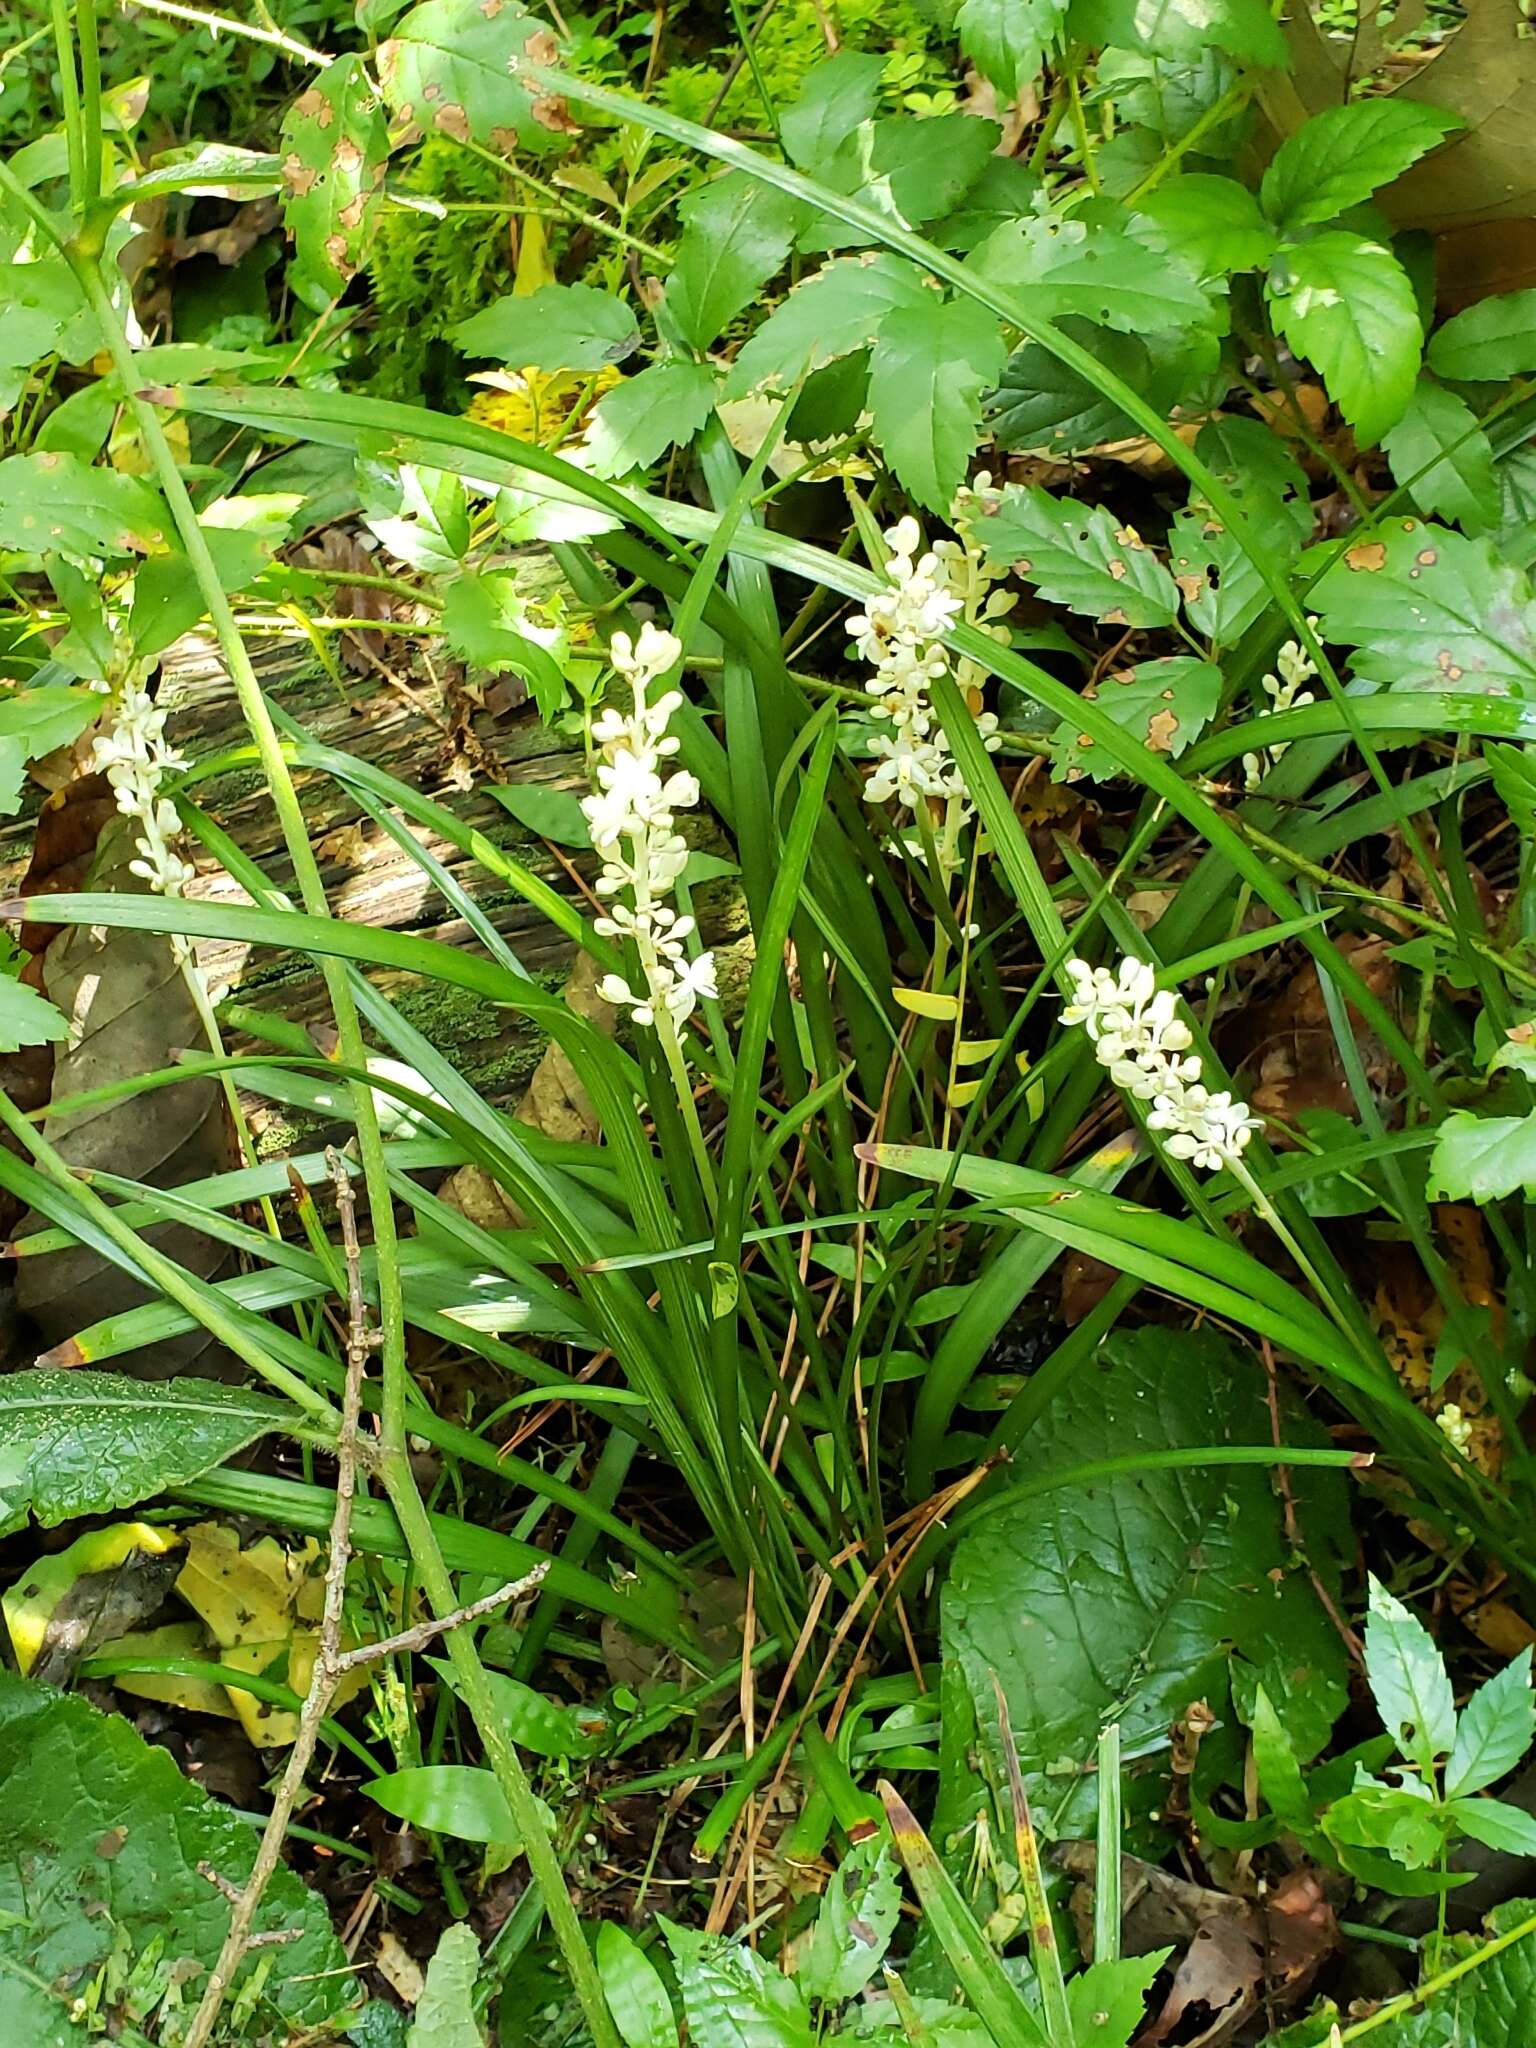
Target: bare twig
426, 1632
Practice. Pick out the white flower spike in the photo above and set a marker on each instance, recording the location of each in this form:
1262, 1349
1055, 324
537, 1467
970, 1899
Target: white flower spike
135, 756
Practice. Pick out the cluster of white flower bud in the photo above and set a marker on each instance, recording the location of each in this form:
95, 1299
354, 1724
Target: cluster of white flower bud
900, 634
1139, 1036
135, 757
1286, 692
632, 818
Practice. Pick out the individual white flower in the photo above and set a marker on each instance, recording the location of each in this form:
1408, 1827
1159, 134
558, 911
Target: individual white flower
1139, 1036
632, 818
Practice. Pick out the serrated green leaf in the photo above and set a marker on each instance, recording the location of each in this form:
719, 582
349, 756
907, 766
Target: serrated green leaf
837, 310
1482, 1158
1108, 2000
732, 1998
55, 502
1224, 593
1258, 469
486, 620
1344, 154
1215, 223
1442, 457
838, 95
1007, 189
448, 69
26, 1018
639, 420
445, 2012
558, 327
33, 723
1007, 39
1514, 777
1041, 403
421, 515
108, 1844
1430, 609
1489, 342
1079, 556
910, 171
1497, 1824
932, 362
1280, 1778
1348, 306
632, 1985
1181, 31
737, 233
857, 1917
335, 146
1166, 703
1104, 264
1494, 1730
1408, 1681
1394, 1819
86, 1443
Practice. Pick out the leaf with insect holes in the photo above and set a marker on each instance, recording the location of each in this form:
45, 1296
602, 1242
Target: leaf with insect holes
931, 365
108, 1851
1105, 264
1348, 306
1343, 155
33, 723
1079, 556
1442, 458
732, 1998
335, 145
1007, 39
838, 309
558, 327
737, 233
639, 420
1164, 703
632, 1984
86, 1443
1408, 1680
1429, 609
1482, 1158
1215, 223
1489, 342
1182, 31
839, 95
852, 1931
52, 501
450, 69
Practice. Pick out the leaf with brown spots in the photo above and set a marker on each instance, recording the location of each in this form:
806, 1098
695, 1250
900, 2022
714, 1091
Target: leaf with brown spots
335, 146
1426, 608
1081, 557
1164, 703
53, 503
448, 69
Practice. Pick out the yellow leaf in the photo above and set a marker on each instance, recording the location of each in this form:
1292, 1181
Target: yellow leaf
970, 1052
29, 1604
963, 1092
923, 1002
176, 1639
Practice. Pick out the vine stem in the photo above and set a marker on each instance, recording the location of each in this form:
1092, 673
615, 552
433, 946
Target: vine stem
1432, 1986
393, 1456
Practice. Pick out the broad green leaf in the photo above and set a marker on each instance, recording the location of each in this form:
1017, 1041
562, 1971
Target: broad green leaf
1006, 39
1079, 556
106, 1842
51, 501
1488, 2007
1514, 777
910, 171
1489, 342
1347, 305
839, 95
445, 2012
448, 1799
1165, 703
1224, 593
1430, 609
1258, 468
639, 420
1397, 1820
839, 308
1181, 31
448, 70
1482, 1158
1343, 155
335, 146
632, 1985
854, 1924
1126, 1597
33, 723
167, 598
1280, 1778
420, 515
1006, 190
1108, 2000
1494, 1822
558, 327
1041, 403
737, 233
931, 365
1168, 99
486, 620
1104, 264
1408, 1681
732, 1998
1441, 456
26, 1018
1215, 223
85, 1443
553, 813
533, 1720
